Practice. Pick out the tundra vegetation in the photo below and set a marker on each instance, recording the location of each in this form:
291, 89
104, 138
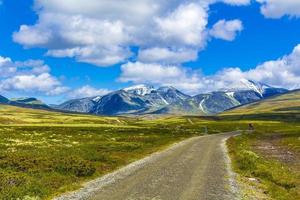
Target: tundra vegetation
268, 159
44, 154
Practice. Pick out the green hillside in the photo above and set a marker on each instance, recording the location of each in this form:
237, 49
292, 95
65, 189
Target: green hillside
270, 155
11, 115
284, 107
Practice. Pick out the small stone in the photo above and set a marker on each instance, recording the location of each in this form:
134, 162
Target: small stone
252, 179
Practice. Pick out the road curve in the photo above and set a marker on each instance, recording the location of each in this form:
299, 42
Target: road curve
196, 169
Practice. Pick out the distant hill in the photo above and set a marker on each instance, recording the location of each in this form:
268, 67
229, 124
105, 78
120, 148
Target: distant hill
272, 108
3, 99
25, 102
22, 115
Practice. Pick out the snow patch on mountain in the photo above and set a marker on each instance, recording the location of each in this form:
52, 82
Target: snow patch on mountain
230, 94
96, 99
246, 84
255, 86
141, 90
164, 100
201, 105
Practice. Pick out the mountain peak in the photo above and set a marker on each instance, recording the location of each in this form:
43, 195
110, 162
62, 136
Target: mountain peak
245, 84
255, 86
260, 88
141, 89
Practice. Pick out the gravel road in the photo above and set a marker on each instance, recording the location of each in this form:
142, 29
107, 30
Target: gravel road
196, 169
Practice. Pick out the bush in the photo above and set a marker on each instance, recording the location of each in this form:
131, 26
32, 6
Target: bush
247, 160
76, 166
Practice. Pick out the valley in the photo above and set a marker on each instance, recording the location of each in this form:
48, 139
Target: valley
150, 100
45, 154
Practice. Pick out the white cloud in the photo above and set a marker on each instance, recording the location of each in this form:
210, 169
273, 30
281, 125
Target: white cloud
279, 8
103, 32
41, 83
237, 2
32, 36
33, 77
157, 74
226, 30
29, 76
94, 55
165, 55
185, 26
185, 79
284, 72
10, 68
88, 91
6, 67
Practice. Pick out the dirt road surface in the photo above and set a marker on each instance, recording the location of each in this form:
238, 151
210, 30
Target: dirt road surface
196, 169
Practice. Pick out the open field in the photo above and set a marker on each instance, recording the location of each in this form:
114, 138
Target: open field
44, 154
270, 156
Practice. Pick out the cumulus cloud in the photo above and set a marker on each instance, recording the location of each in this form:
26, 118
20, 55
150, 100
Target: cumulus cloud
29, 76
166, 55
179, 77
283, 72
188, 80
280, 8
40, 83
88, 91
226, 30
185, 26
103, 32
93, 54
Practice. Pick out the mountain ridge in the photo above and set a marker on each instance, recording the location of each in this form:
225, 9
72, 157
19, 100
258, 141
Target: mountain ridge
27, 102
145, 99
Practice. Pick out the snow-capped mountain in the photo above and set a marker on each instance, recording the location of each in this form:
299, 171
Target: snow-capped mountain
262, 89
140, 89
144, 99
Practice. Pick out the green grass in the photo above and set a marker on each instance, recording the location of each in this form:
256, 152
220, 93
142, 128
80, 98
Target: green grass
44, 161
279, 177
44, 154
271, 154
280, 108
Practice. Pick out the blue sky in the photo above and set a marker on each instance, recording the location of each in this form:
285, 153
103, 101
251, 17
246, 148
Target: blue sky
57, 51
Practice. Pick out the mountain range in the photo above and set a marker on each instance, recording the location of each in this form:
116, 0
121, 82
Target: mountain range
145, 99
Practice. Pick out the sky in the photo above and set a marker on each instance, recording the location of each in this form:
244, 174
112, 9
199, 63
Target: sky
57, 50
